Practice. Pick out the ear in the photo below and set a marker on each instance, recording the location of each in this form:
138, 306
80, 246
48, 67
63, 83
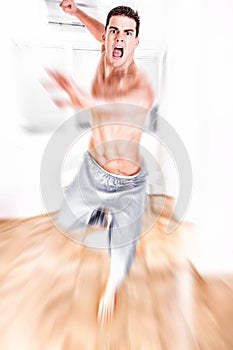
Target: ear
136, 41
103, 37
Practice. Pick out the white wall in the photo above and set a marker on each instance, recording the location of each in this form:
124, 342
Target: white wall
200, 76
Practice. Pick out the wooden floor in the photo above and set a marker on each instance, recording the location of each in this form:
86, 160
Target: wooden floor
50, 288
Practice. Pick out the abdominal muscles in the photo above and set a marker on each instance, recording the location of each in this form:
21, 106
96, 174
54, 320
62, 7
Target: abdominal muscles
116, 148
115, 138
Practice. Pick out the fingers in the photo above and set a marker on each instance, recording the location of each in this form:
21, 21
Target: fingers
67, 10
67, 2
60, 79
62, 103
68, 85
49, 85
54, 87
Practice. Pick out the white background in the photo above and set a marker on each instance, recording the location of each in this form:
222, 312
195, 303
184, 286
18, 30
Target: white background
197, 101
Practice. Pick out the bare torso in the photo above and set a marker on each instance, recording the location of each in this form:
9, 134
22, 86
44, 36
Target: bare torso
117, 126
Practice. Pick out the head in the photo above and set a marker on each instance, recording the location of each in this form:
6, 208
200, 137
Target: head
121, 35
124, 11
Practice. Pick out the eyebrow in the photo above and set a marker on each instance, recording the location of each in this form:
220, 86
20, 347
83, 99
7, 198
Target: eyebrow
125, 30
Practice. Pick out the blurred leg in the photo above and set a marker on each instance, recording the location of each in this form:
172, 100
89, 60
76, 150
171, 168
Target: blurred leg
124, 231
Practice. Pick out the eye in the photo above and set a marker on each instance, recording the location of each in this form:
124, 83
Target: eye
113, 31
128, 32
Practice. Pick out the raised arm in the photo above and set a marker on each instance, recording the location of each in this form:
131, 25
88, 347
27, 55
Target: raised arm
95, 27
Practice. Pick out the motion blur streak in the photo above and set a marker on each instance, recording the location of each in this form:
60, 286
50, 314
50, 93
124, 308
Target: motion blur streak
50, 287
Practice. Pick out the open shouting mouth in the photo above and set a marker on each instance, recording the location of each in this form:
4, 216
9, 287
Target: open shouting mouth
118, 52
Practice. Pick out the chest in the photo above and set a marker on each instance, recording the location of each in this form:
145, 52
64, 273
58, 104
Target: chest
113, 86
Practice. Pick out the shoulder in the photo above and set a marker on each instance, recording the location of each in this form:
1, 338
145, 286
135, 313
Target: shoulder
144, 85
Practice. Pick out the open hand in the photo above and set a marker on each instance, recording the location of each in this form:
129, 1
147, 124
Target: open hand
77, 98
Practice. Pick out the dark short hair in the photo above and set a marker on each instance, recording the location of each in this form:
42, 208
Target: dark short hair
124, 11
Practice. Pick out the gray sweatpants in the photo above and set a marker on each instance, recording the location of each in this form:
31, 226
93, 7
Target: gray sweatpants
97, 197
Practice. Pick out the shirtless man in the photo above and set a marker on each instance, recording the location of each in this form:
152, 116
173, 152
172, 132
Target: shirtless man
112, 167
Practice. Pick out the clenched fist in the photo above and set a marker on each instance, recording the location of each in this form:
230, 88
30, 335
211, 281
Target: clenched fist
68, 6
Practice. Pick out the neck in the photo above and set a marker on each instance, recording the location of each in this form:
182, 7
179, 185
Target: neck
108, 69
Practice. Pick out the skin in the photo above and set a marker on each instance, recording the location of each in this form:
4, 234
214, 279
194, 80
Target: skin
118, 80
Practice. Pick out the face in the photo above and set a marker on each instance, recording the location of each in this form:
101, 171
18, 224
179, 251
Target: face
120, 40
